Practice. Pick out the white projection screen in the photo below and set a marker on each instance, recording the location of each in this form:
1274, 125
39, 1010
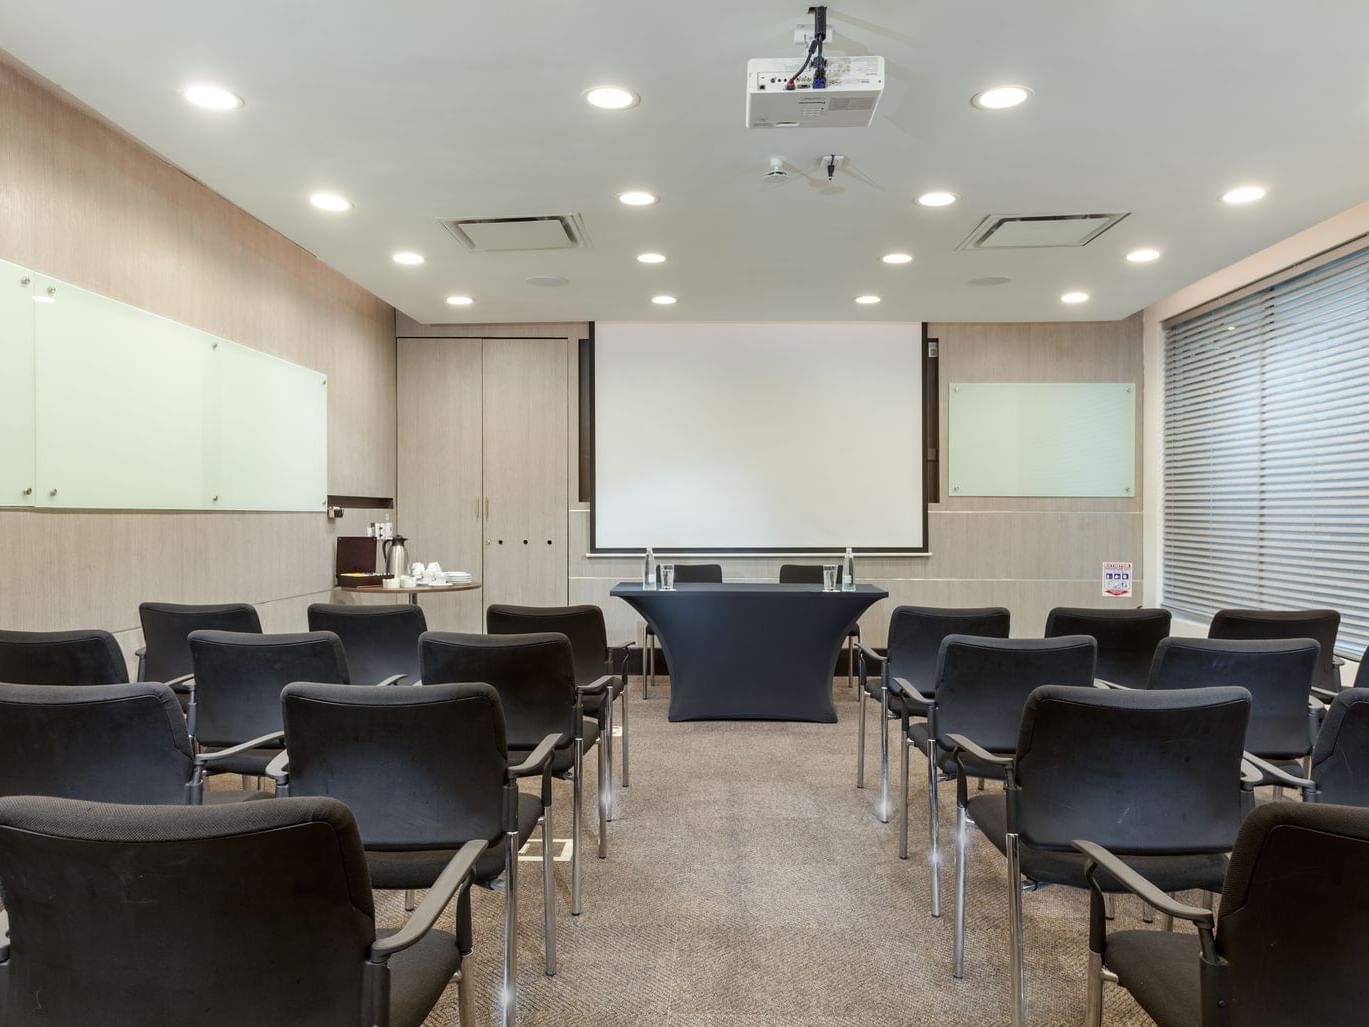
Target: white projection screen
775, 438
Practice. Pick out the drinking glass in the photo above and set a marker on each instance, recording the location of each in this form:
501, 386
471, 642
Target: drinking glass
829, 577
667, 573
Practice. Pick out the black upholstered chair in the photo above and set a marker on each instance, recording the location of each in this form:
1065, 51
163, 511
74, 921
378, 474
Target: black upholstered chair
811, 574
287, 937
1154, 776
685, 574
915, 636
424, 771
535, 678
61, 658
165, 655
105, 743
380, 641
594, 658
1276, 673
1321, 625
982, 685
1296, 892
238, 681
1340, 757
1126, 639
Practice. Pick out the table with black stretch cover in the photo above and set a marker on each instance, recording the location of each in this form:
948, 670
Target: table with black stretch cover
740, 651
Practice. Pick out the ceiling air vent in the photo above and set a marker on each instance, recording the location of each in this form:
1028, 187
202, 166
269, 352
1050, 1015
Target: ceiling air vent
1016, 232
546, 232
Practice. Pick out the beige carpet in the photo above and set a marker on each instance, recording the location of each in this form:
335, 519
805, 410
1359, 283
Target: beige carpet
749, 884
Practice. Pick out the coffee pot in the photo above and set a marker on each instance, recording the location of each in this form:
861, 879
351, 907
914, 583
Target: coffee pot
395, 555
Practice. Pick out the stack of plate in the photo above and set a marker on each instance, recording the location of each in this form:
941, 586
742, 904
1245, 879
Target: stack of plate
458, 577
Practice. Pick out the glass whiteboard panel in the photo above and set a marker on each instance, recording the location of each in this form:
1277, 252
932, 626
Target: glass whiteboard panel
1042, 439
267, 432
16, 385
119, 394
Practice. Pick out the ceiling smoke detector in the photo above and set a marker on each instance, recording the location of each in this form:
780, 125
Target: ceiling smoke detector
776, 174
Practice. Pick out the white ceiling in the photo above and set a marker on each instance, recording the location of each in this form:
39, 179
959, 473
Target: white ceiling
419, 110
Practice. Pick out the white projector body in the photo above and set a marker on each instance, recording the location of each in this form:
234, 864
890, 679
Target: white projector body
854, 85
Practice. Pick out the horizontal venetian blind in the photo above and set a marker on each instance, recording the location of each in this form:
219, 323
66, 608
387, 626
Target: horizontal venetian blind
1266, 441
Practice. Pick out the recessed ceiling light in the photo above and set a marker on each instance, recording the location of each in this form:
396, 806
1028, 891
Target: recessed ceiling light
936, 199
651, 258
612, 98
636, 198
1243, 194
330, 201
663, 301
407, 258
897, 258
1143, 256
214, 98
460, 301
1075, 297
867, 300
1000, 97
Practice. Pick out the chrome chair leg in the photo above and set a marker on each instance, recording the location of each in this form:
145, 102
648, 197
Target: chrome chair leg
576, 829
511, 929
409, 900
1109, 907
465, 1002
649, 665
606, 765
962, 853
883, 811
860, 743
604, 793
1093, 1003
903, 744
1018, 979
850, 661
548, 893
1147, 913
624, 702
1168, 922
934, 828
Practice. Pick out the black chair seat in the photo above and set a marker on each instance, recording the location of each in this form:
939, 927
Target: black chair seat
1161, 970
420, 868
1168, 873
252, 762
223, 798
419, 975
946, 761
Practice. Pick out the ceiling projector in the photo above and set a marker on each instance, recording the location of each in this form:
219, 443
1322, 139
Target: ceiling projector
780, 92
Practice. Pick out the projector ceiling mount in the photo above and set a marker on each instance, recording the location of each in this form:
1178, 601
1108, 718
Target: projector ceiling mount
818, 91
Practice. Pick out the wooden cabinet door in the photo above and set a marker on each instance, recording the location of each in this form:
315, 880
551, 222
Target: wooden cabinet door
526, 412
440, 503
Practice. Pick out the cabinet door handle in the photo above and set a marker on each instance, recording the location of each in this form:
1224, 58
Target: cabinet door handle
487, 508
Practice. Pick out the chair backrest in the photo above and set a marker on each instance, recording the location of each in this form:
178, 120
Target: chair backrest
244, 913
1340, 758
379, 640
533, 674
698, 573
1276, 673
1126, 638
167, 627
583, 625
1295, 897
803, 573
420, 768
239, 677
1137, 772
1321, 625
982, 684
61, 658
105, 743
916, 634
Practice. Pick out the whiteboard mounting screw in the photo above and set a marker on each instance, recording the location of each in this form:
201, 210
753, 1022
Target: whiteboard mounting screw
25, 281
216, 499
1128, 389
1127, 489
955, 488
214, 346
28, 491
52, 492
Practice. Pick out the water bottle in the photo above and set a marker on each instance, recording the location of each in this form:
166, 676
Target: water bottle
648, 571
848, 572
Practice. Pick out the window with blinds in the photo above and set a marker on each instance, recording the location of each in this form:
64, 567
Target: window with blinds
1266, 439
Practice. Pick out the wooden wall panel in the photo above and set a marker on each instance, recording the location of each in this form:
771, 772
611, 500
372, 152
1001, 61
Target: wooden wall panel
83, 202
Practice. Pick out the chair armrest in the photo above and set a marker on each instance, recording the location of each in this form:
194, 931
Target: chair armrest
870, 654
184, 683
1281, 776
904, 686
631, 643
979, 752
447, 886
1104, 683
203, 758
1337, 661
278, 770
1101, 858
537, 759
393, 679
1325, 694
596, 687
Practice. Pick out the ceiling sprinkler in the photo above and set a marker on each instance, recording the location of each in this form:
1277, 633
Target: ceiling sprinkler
776, 174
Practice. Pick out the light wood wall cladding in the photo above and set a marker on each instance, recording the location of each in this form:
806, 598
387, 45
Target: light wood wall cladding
83, 202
